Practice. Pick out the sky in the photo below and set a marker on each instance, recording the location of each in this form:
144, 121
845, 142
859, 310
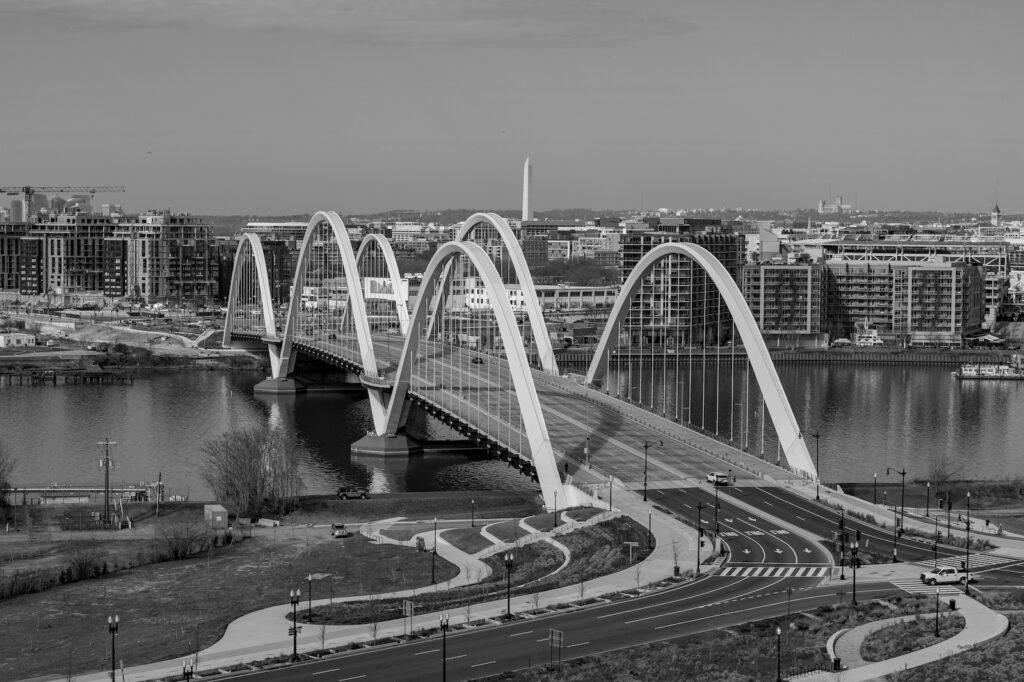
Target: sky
278, 107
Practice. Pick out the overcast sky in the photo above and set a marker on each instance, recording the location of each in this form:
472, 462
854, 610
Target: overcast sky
290, 106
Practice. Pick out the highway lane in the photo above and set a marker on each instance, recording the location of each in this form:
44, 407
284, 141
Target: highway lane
707, 604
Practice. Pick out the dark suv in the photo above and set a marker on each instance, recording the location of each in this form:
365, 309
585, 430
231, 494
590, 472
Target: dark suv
352, 493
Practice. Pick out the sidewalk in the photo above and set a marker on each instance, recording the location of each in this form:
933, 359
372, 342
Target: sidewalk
264, 633
981, 625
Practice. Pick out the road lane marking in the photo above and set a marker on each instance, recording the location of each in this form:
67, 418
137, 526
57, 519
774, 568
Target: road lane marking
519, 634
452, 658
477, 665
332, 670
346, 679
543, 639
428, 651
580, 644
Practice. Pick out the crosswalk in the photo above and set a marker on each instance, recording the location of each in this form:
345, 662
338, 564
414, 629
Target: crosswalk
915, 586
775, 572
978, 561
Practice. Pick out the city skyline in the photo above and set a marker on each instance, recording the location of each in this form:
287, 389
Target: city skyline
283, 108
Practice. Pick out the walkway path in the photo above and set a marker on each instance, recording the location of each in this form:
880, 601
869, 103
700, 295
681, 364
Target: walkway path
981, 625
264, 633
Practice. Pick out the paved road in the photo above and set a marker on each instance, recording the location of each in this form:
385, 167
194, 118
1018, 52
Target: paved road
707, 604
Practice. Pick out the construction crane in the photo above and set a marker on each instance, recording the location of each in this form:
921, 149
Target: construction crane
26, 193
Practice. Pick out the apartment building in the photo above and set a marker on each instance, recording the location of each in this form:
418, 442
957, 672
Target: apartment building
785, 300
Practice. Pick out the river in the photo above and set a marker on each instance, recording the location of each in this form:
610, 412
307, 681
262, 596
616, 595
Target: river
869, 417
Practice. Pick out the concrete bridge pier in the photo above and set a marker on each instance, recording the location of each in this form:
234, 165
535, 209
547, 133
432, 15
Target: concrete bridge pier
280, 386
387, 446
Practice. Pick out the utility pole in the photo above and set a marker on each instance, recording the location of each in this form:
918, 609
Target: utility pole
105, 463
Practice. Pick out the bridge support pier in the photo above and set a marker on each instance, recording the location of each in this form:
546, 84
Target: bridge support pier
279, 386
372, 445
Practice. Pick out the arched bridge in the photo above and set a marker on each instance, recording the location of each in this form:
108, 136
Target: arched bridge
474, 348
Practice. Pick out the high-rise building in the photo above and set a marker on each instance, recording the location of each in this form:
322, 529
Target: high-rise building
786, 301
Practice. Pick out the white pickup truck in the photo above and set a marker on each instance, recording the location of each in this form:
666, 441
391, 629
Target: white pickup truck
946, 575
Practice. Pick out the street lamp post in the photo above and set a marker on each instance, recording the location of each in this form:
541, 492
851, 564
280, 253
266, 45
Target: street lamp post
650, 537
112, 623
895, 522
295, 595
778, 654
433, 554
967, 563
647, 445
936, 612
935, 546
700, 533
716, 508
842, 543
444, 646
817, 465
874, 491
927, 498
949, 508
472, 513
903, 490
853, 561
510, 560
309, 607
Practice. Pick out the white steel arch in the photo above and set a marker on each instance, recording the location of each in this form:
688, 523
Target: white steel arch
356, 308
534, 424
790, 437
251, 243
533, 309
401, 303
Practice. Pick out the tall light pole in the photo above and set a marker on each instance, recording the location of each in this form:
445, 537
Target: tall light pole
112, 623
444, 646
967, 563
817, 464
895, 523
105, 464
433, 554
647, 445
778, 654
294, 596
650, 536
936, 612
700, 533
842, 543
510, 560
309, 608
935, 546
853, 561
903, 490
472, 513
927, 498
716, 508
874, 490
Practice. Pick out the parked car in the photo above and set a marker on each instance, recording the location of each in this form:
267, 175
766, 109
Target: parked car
352, 493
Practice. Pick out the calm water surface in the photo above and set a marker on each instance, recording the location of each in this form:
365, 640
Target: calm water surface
869, 418
161, 422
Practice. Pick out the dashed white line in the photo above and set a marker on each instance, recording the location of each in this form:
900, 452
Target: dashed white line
428, 651
521, 633
321, 672
477, 665
580, 644
452, 658
346, 679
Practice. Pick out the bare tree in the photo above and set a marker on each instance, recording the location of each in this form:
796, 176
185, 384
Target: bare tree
943, 470
7, 463
255, 470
